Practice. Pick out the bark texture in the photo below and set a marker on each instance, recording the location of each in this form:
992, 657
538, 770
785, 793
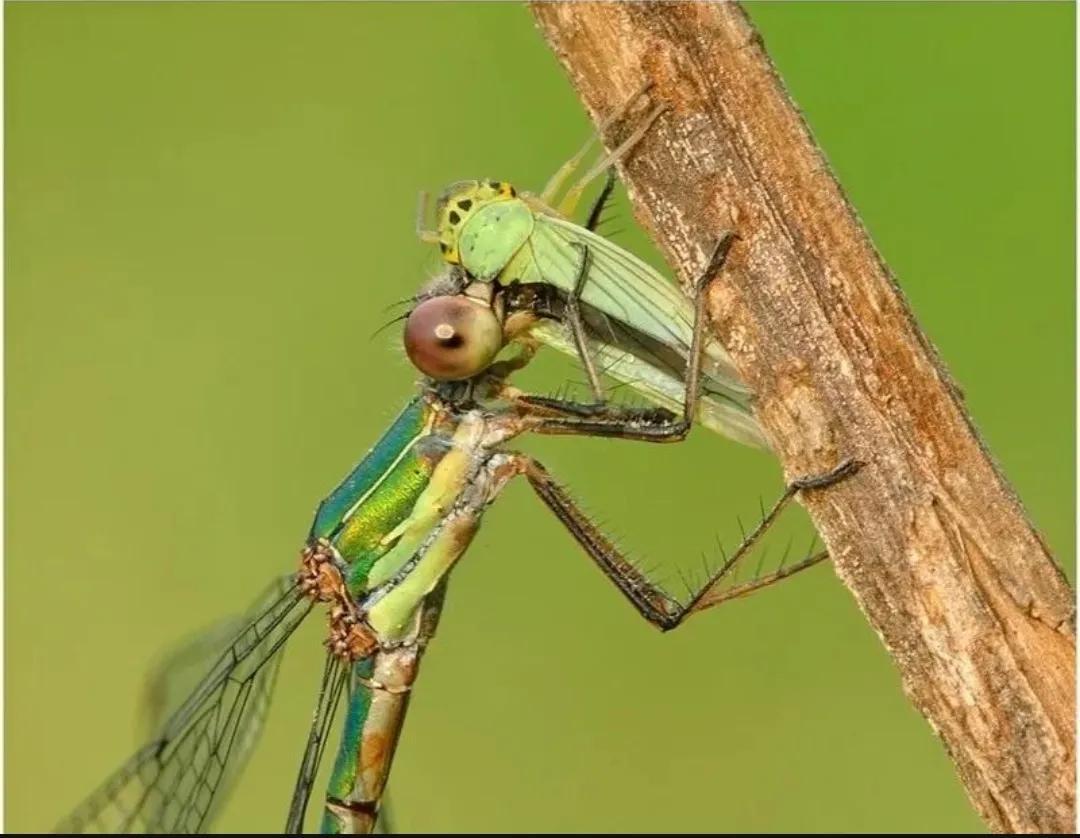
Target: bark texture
928, 536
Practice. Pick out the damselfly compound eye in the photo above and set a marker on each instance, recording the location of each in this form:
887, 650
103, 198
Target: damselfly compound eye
452, 338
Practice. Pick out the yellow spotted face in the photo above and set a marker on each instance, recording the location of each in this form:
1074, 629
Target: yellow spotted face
457, 203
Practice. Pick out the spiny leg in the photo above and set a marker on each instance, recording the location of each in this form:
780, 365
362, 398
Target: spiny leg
592, 221
565, 417
654, 604
554, 416
650, 600
556, 181
711, 594
714, 595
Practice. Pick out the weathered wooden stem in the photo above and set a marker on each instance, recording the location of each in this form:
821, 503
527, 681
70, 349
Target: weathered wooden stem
928, 536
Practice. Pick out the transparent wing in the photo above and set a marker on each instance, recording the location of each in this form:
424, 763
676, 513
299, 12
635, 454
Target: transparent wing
173, 783
619, 284
333, 682
176, 676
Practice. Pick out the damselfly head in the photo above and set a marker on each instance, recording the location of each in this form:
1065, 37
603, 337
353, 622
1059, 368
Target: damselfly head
452, 338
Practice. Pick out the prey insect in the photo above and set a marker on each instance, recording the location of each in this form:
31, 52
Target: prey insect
624, 317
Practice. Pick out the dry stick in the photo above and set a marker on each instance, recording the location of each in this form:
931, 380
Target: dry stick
928, 536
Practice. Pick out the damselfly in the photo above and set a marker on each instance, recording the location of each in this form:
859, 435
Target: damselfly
378, 555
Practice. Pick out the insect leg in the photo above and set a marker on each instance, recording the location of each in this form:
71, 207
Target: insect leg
556, 181
593, 219
422, 232
650, 600
573, 195
572, 313
577, 326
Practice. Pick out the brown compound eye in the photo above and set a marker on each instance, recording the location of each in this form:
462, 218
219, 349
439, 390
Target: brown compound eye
452, 338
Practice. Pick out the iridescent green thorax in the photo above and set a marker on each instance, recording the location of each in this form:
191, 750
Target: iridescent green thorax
400, 519
382, 490
409, 424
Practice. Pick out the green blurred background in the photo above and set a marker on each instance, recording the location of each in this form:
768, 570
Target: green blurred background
209, 208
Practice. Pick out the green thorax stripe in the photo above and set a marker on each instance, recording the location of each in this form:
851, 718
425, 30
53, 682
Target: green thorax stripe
380, 492
410, 424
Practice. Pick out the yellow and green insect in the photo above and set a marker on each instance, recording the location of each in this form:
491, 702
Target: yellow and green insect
622, 316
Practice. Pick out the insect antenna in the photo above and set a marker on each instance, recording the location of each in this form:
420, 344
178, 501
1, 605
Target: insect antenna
404, 302
387, 325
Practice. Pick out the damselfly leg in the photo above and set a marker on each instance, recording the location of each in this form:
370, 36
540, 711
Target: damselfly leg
554, 416
654, 603
650, 600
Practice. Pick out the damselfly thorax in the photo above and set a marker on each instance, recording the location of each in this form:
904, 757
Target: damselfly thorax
417, 528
